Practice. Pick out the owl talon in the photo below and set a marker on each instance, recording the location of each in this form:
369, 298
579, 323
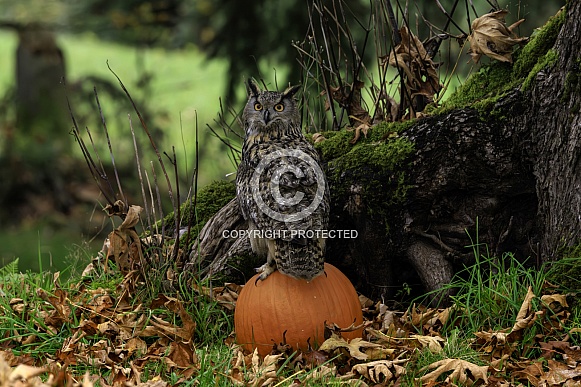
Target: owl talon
264, 270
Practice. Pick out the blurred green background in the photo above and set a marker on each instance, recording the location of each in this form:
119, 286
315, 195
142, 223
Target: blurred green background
183, 61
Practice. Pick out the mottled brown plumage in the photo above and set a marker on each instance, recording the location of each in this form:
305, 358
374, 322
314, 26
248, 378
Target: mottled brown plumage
281, 189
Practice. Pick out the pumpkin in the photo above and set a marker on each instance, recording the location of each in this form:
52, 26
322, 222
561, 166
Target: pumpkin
282, 309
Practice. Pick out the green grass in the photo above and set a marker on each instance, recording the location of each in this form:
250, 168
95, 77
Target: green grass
487, 296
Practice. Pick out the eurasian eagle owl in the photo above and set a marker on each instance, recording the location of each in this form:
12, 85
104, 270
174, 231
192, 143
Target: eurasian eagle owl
281, 187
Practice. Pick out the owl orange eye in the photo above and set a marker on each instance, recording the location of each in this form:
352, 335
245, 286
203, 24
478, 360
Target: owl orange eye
257, 106
279, 107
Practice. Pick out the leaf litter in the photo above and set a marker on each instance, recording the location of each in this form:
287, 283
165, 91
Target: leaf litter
112, 337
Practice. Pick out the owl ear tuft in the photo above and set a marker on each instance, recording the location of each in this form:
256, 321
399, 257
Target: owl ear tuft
252, 87
291, 91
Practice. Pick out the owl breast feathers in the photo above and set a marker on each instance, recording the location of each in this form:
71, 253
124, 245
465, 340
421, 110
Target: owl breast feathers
281, 187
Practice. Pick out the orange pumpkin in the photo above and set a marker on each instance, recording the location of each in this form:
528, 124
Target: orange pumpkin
266, 309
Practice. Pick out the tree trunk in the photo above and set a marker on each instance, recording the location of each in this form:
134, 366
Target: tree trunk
502, 179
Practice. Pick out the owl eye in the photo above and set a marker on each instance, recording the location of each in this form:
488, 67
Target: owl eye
257, 106
279, 107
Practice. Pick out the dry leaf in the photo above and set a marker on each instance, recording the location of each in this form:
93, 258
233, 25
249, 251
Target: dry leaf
491, 37
498, 344
531, 373
321, 372
354, 346
225, 295
551, 299
361, 128
419, 316
433, 343
124, 243
25, 372
462, 372
382, 371
412, 58
349, 97
525, 317
318, 137
264, 372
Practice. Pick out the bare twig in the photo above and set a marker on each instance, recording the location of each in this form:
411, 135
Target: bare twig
98, 173
193, 199
139, 172
104, 122
145, 128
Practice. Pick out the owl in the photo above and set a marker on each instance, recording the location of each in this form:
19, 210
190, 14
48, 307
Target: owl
281, 187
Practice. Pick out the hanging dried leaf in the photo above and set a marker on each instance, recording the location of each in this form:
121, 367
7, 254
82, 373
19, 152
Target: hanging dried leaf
349, 97
491, 37
411, 56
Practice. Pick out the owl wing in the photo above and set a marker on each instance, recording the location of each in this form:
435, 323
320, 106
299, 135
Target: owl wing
293, 194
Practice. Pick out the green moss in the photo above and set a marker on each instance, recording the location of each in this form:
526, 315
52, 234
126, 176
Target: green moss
383, 156
335, 145
540, 44
375, 162
549, 59
484, 88
209, 201
338, 143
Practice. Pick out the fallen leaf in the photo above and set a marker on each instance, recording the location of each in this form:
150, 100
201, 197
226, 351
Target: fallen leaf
361, 128
551, 299
462, 372
381, 371
433, 343
531, 373
124, 243
318, 137
525, 317
354, 346
264, 372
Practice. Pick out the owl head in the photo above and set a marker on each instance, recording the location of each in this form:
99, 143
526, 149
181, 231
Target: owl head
270, 108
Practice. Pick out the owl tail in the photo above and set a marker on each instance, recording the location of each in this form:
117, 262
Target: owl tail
304, 260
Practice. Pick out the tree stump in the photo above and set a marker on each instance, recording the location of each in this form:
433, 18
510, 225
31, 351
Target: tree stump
500, 174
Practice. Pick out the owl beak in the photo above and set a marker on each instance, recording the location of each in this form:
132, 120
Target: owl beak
266, 116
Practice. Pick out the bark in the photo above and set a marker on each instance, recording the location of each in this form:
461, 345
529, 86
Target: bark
504, 181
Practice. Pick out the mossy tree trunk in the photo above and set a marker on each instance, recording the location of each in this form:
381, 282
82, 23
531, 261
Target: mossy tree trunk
502, 175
